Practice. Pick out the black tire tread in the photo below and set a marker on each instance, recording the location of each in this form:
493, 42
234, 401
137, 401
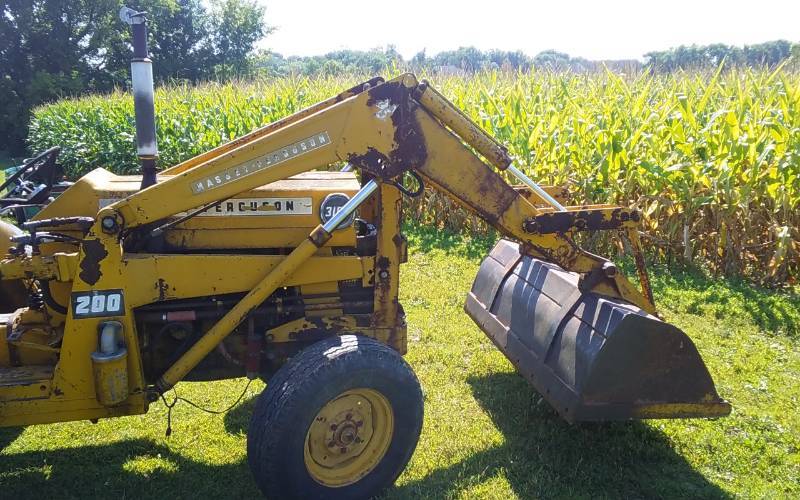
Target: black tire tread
287, 388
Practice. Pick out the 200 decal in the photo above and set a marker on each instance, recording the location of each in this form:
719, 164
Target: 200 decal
97, 303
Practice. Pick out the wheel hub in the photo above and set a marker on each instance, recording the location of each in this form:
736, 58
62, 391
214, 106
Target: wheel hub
348, 437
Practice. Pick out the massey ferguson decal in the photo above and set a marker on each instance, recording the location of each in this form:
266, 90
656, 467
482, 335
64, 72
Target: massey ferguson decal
261, 206
251, 206
281, 155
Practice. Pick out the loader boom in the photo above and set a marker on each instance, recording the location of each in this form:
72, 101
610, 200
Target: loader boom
247, 261
387, 129
581, 333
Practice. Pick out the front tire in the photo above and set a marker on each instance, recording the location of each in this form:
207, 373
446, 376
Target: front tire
341, 419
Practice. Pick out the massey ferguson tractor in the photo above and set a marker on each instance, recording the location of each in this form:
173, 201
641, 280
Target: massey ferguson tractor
254, 259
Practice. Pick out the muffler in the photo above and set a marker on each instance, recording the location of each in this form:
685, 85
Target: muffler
591, 357
143, 96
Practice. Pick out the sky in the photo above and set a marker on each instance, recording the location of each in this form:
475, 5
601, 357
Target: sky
615, 29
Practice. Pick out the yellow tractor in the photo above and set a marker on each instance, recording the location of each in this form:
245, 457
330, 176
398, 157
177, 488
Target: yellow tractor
247, 261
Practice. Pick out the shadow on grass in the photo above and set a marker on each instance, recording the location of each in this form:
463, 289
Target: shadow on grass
238, 419
542, 456
8, 435
136, 468
770, 309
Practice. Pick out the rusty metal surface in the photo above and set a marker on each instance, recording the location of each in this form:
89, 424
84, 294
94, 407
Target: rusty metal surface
319, 236
599, 219
590, 357
386, 274
409, 149
641, 267
560, 193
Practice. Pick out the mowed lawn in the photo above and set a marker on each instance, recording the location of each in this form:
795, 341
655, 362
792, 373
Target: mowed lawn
487, 434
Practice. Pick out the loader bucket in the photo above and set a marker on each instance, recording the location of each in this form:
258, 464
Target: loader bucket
591, 357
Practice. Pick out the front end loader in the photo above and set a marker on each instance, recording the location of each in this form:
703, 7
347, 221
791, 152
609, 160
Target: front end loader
253, 260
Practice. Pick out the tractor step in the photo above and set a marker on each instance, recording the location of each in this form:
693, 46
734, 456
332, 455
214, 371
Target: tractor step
591, 357
25, 382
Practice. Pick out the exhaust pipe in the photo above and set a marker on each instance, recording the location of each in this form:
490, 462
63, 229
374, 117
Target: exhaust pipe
142, 80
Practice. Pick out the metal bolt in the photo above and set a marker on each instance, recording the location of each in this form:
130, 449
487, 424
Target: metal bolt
530, 226
609, 269
109, 224
347, 437
384, 274
333, 427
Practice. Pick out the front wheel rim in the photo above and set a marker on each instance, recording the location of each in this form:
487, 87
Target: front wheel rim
348, 437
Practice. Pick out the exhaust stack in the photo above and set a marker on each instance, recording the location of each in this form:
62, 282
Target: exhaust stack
142, 80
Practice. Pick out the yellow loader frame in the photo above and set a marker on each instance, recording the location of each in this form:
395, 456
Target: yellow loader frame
382, 128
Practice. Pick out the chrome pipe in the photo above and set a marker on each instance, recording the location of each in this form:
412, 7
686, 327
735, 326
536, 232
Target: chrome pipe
350, 206
536, 188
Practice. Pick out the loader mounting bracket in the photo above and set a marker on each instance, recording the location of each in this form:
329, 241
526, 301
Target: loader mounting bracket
393, 101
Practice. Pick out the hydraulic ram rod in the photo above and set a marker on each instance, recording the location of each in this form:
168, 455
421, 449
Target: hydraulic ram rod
260, 292
472, 134
536, 188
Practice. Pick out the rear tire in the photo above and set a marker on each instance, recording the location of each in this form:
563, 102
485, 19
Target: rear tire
341, 419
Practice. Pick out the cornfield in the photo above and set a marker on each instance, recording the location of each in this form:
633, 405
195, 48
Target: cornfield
712, 159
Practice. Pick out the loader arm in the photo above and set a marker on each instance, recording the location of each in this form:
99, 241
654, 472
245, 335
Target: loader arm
386, 129
574, 326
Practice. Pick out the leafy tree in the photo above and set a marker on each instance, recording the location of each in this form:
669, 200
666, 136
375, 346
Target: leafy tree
47, 48
418, 61
464, 58
236, 26
768, 54
53, 48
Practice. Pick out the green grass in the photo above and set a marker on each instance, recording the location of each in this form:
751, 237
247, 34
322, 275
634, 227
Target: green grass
487, 434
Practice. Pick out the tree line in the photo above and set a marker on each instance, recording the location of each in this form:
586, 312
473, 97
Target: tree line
56, 48
702, 56
471, 59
